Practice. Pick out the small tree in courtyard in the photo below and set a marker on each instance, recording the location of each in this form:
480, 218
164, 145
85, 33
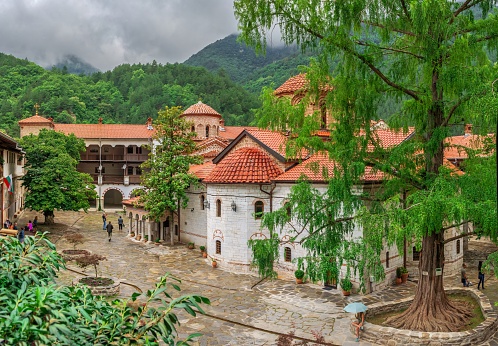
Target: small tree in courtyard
75, 239
166, 173
51, 178
429, 56
90, 260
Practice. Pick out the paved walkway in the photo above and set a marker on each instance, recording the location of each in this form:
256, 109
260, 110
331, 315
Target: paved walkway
239, 314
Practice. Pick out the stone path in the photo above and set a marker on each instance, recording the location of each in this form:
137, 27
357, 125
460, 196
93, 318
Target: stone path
239, 314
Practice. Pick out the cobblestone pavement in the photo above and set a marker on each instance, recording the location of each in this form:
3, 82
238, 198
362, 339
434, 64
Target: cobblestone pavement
244, 310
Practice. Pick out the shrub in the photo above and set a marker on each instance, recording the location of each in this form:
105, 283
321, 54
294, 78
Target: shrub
203, 248
299, 274
27, 274
75, 239
398, 272
346, 284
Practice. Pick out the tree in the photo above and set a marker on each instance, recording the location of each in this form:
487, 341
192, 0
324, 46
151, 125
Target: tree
431, 55
35, 311
166, 172
51, 179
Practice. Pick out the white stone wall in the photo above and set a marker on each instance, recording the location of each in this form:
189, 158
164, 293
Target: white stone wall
193, 218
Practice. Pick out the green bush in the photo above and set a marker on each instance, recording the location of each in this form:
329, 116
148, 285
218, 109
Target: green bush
346, 284
299, 274
35, 311
398, 272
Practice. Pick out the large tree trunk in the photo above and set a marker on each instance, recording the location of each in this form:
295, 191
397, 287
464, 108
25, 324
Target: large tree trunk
431, 310
49, 217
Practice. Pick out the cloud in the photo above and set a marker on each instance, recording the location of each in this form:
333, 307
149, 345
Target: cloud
112, 32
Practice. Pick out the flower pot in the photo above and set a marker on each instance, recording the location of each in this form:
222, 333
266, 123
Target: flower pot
214, 264
404, 277
299, 281
346, 293
204, 255
398, 281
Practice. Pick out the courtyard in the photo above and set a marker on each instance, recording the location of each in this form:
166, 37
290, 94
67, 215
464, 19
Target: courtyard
244, 310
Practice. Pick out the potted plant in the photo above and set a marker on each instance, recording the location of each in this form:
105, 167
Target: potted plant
299, 274
158, 241
203, 251
404, 274
346, 286
398, 275
146, 237
191, 245
214, 263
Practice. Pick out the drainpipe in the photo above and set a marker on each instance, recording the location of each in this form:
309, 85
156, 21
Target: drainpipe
179, 223
273, 186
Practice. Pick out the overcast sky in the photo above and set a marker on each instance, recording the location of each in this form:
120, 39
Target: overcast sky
106, 33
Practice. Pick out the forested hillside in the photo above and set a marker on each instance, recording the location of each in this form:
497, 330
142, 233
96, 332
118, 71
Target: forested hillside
247, 68
127, 94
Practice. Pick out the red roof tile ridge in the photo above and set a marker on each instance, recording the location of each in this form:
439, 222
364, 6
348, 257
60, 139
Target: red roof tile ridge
200, 108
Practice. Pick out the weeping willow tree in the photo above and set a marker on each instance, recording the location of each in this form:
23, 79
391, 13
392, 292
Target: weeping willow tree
431, 56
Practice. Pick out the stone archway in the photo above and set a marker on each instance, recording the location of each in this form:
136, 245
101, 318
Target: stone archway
113, 199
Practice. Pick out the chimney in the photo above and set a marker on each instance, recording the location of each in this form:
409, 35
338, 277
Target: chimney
467, 129
100, 120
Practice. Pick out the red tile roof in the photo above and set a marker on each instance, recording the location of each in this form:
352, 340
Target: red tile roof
231, 132
200, 109
245, 165
388, 138
455, 145
273, 140
117, 131
203, 170
133, 202
292, 85
318, 167
35, 119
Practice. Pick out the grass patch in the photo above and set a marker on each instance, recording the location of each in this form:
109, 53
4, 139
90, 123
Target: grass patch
381, 318
476, 319
477, 316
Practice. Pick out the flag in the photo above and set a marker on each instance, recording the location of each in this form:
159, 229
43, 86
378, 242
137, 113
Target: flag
8, 183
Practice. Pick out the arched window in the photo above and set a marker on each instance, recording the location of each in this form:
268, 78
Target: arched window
259, 207
387, 259
287, 254
458, 246
218, 247
202, 201
207, 131
218, 208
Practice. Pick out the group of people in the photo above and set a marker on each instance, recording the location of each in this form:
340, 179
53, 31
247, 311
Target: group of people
109, 227
480, 276
30, 227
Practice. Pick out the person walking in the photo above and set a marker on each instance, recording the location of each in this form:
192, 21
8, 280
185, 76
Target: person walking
20, 235
35, 223
480, 276
109, 228
104, 220
120, 223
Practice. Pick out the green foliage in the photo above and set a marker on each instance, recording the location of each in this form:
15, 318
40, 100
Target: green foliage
202, 248
166, 172
51, 179
128, 94
35, 311
398, 272
431, 59
346, 284
299, 274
